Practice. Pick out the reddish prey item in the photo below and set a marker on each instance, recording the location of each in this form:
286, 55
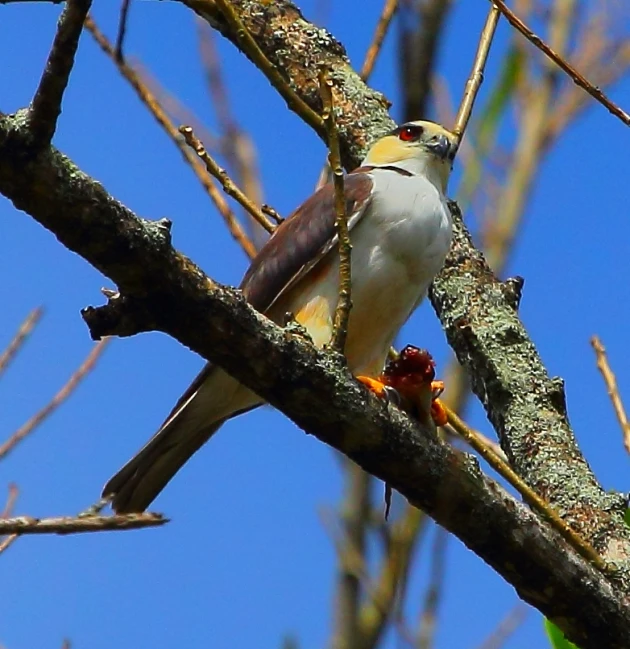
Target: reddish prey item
412, 376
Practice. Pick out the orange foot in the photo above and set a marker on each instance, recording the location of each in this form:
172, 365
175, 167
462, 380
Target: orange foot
374, 385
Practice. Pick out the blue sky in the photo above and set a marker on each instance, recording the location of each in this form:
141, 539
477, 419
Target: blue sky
246, 560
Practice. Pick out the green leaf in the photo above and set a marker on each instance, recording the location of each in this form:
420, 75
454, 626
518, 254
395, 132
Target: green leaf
626, 516
556, 637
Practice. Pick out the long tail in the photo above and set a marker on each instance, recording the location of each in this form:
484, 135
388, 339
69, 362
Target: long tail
213, 398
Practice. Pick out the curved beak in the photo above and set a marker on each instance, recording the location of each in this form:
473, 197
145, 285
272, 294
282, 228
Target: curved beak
442, 147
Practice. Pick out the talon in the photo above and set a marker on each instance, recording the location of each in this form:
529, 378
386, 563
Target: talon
374, 385
437, 387
438, 412
391, 395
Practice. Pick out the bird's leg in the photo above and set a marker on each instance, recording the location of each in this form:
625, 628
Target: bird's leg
438, 411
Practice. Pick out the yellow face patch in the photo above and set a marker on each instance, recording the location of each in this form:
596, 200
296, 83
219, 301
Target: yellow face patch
390, 149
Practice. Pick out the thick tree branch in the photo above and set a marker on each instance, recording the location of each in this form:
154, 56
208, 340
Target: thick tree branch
478, 312
299, 50
46, 105
165, 291
525, 405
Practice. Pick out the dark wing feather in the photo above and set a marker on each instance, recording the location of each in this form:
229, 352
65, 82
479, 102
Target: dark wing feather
302, 240
293, 249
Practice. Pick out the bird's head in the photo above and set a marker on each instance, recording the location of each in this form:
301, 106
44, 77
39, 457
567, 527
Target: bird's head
422, 148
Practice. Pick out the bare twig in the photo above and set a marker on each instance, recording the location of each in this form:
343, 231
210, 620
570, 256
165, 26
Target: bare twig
342, 312
506, 627
530, 145
428, 617
235, 144
26, 429
222, 176
613, 390
612, 65
421, 28
528, 494
476, 75
390, 586
10, 503
78, 525
158, 112
8, 542
389, 9
578, 78
251, 48
20, 338
46, 105
8, 509
122, 29
354, 519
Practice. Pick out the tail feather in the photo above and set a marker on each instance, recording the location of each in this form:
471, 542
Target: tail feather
142, 479
197, 416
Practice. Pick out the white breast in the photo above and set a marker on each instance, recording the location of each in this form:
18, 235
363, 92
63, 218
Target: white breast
398, 248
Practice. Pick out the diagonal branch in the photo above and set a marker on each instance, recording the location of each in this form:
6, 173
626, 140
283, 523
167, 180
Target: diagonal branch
20, 338
342, 311
76, 378
389, 9
46, 105
578, 78
613, 391
300, 50
163, 290
229, 187
525, 406
153, 105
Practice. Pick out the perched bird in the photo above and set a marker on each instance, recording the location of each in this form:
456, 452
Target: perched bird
400, 230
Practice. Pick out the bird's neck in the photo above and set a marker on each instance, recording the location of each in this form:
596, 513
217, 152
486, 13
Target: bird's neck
437, 172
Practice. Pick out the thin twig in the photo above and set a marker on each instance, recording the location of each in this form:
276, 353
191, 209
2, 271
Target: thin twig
46, 105
250, 47
26, 429
389, 588
235, 144
122, 29
428, 616
7, 542
229, 187
342, 312
78, 525
509, 208
578, 78
20, 338
613, 390
476, 75
389, 9
530, 144
154, 107
352, 553
581, 546
506, 627
14, 492
8, 509
612, 65
421, 32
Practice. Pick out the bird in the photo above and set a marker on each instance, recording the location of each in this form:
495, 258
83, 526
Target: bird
400, 230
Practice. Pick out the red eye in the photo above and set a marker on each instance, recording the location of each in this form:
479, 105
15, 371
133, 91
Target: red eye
409, 133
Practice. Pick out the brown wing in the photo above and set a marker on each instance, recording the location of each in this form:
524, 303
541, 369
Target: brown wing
302, 240
293, 249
